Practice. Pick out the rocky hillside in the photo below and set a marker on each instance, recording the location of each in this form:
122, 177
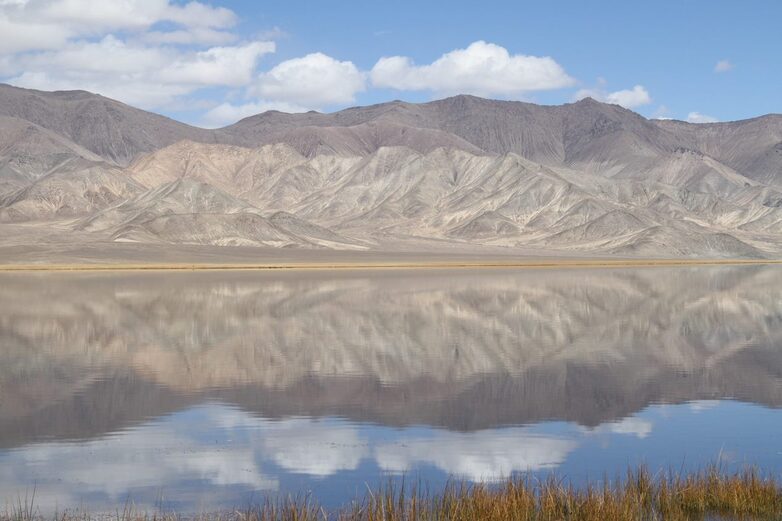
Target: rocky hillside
585, 177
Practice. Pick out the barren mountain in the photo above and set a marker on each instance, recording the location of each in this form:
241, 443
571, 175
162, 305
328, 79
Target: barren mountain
28, 152
584, 177
112, 130
189, 211
449, 194
753, 146
587, 134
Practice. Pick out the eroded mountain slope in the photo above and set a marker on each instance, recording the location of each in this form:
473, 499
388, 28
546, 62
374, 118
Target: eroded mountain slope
584, 177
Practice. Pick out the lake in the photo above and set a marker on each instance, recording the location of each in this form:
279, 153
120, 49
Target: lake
202, 391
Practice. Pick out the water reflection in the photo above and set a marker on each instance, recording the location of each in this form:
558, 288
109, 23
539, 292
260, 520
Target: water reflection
199, 390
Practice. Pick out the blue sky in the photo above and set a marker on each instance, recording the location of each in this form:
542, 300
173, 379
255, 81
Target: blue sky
213, 62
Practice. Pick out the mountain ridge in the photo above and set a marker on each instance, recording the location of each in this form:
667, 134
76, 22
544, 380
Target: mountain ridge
579, 177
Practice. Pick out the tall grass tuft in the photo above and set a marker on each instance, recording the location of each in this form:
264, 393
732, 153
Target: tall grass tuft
709, 494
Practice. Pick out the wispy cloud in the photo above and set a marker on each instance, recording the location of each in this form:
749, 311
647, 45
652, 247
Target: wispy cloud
723, 66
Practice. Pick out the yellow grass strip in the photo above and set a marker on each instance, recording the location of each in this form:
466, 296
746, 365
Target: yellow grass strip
530, 264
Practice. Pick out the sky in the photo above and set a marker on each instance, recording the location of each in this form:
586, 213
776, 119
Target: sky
213, 62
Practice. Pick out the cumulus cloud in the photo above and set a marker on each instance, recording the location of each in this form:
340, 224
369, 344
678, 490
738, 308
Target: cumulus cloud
46, 24
82, 58
145, 76
142, 93
315, 81
21, 36
723, 66
127, 14
119, 50
155, 54
483, 68
630, 98
232, 66
190, 36
697, 117
627, 98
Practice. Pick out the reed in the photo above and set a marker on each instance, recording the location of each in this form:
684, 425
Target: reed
705, 495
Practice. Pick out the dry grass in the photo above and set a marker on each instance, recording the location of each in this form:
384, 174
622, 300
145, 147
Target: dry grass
564, 262
710, 494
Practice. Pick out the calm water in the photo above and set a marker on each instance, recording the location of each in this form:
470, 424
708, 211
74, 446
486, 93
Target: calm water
203, 391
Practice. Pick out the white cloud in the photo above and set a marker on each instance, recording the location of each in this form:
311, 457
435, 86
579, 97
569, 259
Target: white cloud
232, 66
144, 93
96, 15
120, 49
227, 113
100, 15
117, 48
635, 97
697, 117
48, 24
315, 81
482, 68
627, 98
138, 74
196, 14
21, 36
723, 66
81, 58
195, 35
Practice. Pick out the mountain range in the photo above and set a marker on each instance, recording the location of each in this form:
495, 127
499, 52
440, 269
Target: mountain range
462, 173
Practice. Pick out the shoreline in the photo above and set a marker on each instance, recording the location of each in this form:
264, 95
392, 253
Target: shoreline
380, 265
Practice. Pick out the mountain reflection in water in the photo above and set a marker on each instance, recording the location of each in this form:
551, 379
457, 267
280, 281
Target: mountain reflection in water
202, 389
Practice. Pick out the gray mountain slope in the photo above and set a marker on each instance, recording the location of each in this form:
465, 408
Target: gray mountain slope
753, 146
179, 197
587, 134
191, 212
28, 152
569, 133
364, 138
73, 189
112, 130
581, 177
449, 194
